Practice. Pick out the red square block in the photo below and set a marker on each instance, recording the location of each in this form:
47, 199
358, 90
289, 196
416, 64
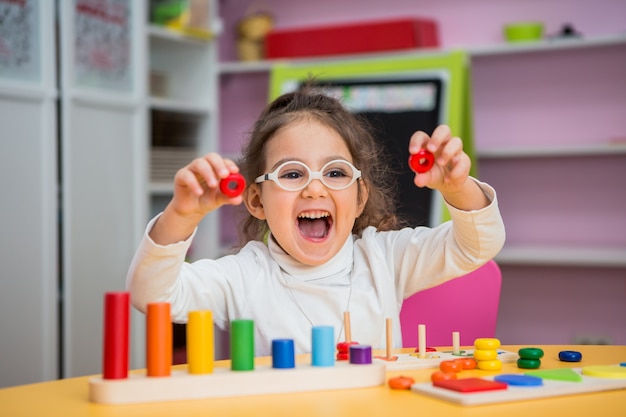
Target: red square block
376, 36
470, 385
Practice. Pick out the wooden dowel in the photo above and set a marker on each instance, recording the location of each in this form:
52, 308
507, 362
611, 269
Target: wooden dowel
346, 326
456, 343
421, 336
389, 335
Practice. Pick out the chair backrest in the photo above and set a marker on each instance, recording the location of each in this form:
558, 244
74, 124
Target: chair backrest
468, 305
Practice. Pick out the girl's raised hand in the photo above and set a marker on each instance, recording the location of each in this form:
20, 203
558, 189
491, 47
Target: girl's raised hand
452, 165
197, 186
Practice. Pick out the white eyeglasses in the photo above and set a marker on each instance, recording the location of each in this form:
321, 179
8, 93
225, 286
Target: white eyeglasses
295, 175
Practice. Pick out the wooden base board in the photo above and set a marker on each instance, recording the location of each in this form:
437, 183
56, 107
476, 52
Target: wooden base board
406, 361
513, 393
138, 388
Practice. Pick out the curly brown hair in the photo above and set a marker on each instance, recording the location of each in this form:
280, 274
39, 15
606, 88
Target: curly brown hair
368, 156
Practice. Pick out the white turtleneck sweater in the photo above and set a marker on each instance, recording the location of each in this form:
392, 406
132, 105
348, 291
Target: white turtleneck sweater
370, 277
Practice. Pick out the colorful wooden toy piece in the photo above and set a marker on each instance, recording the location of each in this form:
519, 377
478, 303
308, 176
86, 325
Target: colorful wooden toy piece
283, 354
467, 363
530, 353
528, 363
401, 382
360, 354
200, 345
519, 380
116, 333
606, 371
564, 374
233, 185
493, 365
343, 348
604, 378
485, 354
451, 366
443, 376
570, 356
487, 343
159, 335
242, 345
422, 161
323, 339
470, 385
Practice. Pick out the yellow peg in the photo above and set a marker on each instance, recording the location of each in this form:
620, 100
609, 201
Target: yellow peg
200, 343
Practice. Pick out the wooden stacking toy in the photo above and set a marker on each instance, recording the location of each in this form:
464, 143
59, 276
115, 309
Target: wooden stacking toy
343, 348
486, 354
201, 379
529, 358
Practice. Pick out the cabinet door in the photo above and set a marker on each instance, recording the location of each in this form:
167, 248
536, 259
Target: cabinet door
103, 160
28, 225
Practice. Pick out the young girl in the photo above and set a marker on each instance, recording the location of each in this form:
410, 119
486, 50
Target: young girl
321, 235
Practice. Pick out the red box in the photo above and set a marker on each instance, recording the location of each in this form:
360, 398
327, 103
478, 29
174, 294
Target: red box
376, 36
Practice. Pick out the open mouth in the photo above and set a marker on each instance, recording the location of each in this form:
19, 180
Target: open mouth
314, 224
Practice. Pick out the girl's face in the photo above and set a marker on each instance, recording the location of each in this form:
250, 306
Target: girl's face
311, 224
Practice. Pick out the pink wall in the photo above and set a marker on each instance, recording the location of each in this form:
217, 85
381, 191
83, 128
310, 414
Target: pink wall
549, 305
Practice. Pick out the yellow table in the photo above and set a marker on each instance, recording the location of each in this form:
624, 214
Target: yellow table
68, 397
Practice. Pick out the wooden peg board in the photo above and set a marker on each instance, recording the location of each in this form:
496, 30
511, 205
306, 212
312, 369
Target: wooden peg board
407, 361
549, 388
138, 388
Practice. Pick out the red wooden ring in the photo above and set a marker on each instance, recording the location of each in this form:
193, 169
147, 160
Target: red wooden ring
233, 185
422, 161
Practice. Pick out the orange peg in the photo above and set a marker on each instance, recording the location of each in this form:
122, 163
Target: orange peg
159, 340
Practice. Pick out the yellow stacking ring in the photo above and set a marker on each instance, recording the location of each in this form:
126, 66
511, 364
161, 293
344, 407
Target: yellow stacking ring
485, 355
493, 365
487, 343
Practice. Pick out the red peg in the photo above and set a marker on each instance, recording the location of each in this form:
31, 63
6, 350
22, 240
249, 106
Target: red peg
116, 335
422, 161
233, 185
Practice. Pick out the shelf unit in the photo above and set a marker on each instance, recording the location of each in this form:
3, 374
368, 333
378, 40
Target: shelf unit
495, 154
241, 67
181, 113
551, 139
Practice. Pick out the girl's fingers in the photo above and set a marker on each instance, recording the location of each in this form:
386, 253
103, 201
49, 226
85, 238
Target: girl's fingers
187, 179
418, 141
440, 136
209, 170
449, 150
459, 170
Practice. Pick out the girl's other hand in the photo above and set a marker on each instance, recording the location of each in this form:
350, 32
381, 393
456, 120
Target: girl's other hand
452, 165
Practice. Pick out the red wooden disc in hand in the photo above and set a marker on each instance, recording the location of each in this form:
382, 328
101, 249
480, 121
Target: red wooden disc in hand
233, 185
422, 161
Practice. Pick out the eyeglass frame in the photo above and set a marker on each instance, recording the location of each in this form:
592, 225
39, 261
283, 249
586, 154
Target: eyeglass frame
313, 175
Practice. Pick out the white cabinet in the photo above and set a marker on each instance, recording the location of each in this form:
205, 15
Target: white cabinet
76, 172
102, 163
28, 183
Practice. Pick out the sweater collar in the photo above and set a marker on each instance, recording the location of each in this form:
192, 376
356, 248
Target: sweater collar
339, 265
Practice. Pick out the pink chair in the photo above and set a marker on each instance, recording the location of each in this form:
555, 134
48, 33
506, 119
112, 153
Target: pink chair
468, 305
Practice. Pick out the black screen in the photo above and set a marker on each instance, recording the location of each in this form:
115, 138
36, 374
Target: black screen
396, 108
